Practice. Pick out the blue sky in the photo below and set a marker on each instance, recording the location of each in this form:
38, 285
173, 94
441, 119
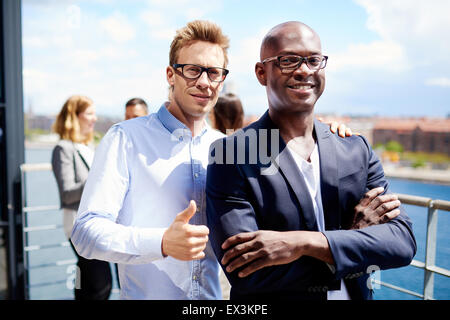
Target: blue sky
387, 57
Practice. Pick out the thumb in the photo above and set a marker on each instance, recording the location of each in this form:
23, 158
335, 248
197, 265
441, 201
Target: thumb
187, 213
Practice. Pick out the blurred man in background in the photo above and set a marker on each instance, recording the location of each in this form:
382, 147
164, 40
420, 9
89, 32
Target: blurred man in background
135, 107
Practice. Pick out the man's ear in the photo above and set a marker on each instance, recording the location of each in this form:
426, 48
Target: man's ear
260, 73
170, 74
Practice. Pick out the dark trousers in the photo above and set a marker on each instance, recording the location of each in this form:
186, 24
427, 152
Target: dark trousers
95, 279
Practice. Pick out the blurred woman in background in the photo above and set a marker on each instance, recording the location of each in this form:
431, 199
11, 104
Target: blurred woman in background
227, 114
71, 160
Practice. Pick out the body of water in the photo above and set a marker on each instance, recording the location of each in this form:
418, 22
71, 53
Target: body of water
49, 281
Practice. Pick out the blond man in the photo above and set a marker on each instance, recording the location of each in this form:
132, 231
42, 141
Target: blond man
143, 205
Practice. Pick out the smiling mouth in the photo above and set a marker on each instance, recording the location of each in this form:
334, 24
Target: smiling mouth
200, 96
201, 99
301, 86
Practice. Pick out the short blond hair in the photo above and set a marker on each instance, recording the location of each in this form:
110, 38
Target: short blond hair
198, 30
66, 124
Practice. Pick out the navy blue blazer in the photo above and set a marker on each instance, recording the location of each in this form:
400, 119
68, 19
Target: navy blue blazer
257, 194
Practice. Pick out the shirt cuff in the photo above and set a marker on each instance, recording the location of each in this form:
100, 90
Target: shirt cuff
150, 240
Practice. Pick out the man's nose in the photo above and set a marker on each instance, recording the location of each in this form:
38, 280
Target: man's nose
303, 69
203, 80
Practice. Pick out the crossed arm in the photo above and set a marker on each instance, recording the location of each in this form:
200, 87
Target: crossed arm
256, 250
379, 235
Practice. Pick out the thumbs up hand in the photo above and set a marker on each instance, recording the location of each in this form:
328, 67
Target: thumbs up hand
184, 241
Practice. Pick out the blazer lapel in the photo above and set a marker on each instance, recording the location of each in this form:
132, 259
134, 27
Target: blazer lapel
292, 174
328, 176
289, 169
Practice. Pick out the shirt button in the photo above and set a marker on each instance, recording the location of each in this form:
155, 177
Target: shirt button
194, 278
196, 175
180, 138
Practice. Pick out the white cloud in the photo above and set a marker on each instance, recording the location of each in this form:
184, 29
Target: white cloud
411, 35
153, 17
196, 13
35, 80
109, 96
164, 17
63, 41
185, 4
438, 82
166, 33
158, 24
84, 57
190, 9
34, 42
421, 27
245, 54
377, 55
118, 27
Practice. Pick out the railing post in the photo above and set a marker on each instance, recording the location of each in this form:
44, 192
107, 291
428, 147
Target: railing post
24, 235
430, 251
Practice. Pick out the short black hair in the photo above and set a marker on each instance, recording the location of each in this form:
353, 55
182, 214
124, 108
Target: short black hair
135, 101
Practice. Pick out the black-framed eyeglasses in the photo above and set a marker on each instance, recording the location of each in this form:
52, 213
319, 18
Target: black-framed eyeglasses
289, 63
194, 71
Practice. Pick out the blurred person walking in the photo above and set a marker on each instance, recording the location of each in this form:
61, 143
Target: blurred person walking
71, 159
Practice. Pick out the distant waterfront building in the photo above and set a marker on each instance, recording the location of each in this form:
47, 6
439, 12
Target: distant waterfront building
362, 125
430, 135
44, 122
104, 123
38, 122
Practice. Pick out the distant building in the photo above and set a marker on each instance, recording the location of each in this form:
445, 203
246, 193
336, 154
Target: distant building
45, 122
38, 121
361, 125
104, 123
418, 135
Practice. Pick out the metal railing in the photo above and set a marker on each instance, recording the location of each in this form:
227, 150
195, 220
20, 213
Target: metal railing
429, 267
27, 229
27, 168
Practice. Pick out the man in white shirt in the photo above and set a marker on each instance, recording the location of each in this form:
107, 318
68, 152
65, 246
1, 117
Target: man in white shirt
136, 208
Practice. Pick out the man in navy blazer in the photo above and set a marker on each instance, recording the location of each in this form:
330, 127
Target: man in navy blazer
284, 194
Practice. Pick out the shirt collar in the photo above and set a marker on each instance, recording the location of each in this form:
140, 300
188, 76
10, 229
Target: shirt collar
174, 125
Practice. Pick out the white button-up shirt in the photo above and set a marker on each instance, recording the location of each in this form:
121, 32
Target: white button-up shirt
145, 171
